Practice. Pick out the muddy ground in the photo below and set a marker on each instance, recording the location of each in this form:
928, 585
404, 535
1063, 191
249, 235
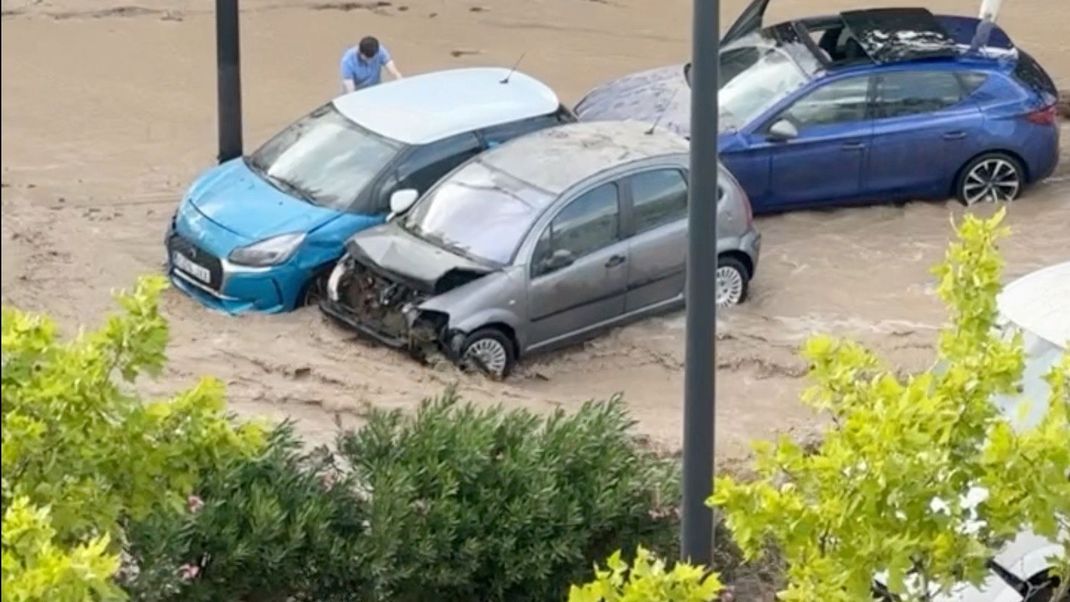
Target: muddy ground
108, 112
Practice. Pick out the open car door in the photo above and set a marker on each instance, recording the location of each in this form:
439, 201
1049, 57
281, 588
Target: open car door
749, 21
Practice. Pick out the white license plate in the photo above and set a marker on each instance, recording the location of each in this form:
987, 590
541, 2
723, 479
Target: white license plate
185, 264
332, 283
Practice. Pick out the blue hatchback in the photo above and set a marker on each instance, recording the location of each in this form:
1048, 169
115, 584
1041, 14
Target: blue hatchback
261, 232
866, 106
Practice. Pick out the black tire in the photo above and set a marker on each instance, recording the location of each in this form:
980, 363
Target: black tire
489, 340
739, 281
976, 178
316, 288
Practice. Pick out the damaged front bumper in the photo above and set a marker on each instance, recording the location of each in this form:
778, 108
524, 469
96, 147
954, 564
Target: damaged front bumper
384, 310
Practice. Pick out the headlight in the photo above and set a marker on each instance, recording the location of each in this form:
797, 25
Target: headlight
270, 251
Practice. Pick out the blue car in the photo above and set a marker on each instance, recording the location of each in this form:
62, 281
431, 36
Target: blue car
865, 106
263, 231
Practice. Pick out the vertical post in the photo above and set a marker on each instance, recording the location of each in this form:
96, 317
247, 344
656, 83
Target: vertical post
697, 519
228, 71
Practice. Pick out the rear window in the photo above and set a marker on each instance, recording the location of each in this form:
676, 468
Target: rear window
971, 80
1030, 73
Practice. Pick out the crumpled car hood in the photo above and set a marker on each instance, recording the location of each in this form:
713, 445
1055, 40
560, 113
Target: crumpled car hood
396, 253
644, 96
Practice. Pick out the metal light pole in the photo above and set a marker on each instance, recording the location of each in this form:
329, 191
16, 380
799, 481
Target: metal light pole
697, 520
228, 72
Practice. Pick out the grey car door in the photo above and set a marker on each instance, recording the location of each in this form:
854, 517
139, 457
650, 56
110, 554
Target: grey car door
657, 251
579, 267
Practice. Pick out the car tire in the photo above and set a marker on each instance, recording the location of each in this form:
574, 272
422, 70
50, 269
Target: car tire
489, 351
991, 177
733, 281
316, 289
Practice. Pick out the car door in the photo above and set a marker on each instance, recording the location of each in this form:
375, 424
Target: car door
823, 163
925, 129
749, 21
657, 249
426, 164
568, 295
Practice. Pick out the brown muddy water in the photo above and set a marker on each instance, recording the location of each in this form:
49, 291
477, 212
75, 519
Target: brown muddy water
108, 112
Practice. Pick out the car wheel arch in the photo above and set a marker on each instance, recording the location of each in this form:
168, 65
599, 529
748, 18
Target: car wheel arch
741, 257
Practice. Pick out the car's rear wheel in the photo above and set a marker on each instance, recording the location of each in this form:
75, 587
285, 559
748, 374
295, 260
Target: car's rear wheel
489, 351
732, 281
990, 178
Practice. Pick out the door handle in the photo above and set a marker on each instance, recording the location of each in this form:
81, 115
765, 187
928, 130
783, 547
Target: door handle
615, 261
853, 145
954, 135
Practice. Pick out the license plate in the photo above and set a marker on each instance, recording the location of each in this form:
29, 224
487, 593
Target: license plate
185, 264
332, 283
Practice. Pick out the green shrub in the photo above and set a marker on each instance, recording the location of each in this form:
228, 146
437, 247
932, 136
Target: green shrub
647, 580
468, 504
862, 502
268, 527
82, 453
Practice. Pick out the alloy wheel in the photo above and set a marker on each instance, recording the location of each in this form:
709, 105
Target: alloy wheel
488, 355
992, 180
729, 286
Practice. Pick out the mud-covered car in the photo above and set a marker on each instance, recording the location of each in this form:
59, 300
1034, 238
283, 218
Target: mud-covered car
536, 243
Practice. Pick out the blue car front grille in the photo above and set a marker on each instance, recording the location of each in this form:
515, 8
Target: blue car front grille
177, 244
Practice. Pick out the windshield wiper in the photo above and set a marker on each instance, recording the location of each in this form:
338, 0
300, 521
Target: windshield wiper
290, 187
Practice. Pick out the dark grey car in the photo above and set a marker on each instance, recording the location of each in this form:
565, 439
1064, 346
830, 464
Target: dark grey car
536, 243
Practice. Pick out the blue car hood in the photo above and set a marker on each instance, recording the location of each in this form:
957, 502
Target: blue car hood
237, 199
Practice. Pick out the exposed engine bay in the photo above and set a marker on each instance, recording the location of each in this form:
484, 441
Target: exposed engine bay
380, 306
387, 309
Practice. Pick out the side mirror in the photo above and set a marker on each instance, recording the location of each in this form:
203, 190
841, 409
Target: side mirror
783, 130
561, 258
401, 200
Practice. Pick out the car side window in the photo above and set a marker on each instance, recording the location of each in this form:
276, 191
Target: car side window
906, 93
500, 134
428, 163
842, 101
659, 197
589, 223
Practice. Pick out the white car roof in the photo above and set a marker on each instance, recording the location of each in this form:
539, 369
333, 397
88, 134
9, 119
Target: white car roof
432, 106
1040, 303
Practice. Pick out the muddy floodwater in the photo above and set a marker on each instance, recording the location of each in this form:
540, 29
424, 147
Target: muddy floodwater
108, 113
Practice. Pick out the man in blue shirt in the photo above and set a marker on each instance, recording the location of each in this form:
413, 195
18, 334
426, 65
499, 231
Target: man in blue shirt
362, 65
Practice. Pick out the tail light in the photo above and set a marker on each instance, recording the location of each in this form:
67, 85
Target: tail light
1045, 116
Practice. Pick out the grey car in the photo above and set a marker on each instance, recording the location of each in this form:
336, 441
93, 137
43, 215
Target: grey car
537, 243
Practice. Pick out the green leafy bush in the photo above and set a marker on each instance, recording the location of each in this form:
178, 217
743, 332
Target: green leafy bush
83, 454
268, 527
468, 504
862, 503
647, 580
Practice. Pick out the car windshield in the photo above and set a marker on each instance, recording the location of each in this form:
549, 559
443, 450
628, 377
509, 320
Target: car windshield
479, 212
752, 79
324, 159
762, 77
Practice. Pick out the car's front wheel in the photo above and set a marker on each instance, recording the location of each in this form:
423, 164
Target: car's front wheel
990, 178
732, 281
489, 351
316, 289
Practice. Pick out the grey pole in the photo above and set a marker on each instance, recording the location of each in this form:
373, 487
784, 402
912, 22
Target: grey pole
228, 72
697, 519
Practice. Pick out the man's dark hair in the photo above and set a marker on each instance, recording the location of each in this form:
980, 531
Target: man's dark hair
369, 46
